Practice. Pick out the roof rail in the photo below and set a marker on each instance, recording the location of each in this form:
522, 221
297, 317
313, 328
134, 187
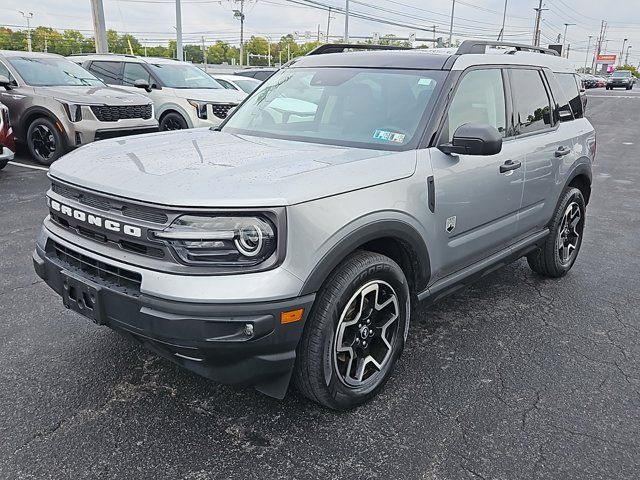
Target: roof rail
480, 46
341, 47
94, 53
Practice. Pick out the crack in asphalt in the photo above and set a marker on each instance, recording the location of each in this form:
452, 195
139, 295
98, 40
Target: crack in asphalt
20, 287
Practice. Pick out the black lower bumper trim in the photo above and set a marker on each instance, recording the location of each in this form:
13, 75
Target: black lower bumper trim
240, 344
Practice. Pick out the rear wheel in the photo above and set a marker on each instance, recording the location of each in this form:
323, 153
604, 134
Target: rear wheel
173, 121
560, 250
45, 141
355, 333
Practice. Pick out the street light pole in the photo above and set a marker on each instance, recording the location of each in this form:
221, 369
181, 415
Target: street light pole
586, 60
564, 39
504, 20
28, 16
626, 61
179, 51
453, 11
622, 52
346, 22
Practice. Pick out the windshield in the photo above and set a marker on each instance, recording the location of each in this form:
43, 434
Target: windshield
183, 75
621, 73
248, 85
52, 72
368, 108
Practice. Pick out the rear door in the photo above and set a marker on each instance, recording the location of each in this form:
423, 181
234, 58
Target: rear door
547, 140
109, 72
476, 200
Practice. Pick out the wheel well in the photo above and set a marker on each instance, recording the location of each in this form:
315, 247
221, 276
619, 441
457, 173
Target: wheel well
403, 254
26, 122
582, 183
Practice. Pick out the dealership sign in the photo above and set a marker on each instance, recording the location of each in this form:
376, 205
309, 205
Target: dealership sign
607, 58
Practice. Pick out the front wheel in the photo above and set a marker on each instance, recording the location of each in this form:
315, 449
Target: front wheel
44, 141
173, 121
560, 250
355, 333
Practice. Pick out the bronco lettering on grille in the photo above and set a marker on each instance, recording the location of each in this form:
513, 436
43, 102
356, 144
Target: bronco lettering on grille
95, 220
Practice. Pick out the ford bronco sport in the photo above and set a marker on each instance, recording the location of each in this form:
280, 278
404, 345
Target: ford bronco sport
293, 241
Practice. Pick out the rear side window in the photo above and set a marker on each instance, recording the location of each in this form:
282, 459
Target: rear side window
479, 99
532, 108
109, 72
225, 84
561, 102
569, 84
133, 72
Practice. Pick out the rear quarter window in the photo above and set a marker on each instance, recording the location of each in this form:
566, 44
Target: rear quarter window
569, 84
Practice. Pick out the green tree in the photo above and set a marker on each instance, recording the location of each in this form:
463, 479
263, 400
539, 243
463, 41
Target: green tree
631, 68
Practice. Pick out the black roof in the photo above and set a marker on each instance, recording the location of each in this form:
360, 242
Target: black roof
400, 59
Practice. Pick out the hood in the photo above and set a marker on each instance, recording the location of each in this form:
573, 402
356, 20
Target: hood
218, 95
90, 95
205, 168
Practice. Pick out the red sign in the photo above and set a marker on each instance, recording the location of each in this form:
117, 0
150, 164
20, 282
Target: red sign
607, 58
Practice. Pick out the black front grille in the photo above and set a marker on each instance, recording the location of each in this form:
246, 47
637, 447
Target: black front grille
221, 110
101, 203
95, 270
114, 113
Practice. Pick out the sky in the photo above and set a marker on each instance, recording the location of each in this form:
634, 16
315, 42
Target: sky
153, 21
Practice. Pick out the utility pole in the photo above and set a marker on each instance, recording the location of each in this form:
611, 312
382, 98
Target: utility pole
46, 49
598, 48
586, 60
504, 20
328, 23
536, 31
346, 22
453, 11
564, 39
99, 30
433, 27
179, 51
622, 52
28, 16
239, 14
204, 55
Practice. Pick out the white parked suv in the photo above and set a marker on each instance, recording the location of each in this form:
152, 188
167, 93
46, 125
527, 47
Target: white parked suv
184, 96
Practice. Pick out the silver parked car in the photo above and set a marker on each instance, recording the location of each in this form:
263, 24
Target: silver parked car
56, 105
184, 95
295, 240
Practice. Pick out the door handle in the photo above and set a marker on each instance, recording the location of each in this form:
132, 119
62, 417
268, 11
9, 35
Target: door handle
510, 166
562, 151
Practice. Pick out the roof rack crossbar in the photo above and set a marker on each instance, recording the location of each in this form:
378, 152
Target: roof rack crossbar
480, 46
341, 47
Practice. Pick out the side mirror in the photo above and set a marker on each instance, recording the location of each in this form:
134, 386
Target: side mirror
5, 82
141, 83
474, 139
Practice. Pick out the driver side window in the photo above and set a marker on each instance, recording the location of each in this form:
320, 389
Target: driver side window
478, 99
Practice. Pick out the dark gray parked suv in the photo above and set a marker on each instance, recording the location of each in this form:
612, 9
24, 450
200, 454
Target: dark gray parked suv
294, 240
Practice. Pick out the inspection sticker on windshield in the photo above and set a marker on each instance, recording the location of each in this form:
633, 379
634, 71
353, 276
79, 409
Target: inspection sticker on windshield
389, 136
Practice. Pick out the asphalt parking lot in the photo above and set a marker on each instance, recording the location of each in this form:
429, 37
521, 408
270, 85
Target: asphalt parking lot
515, 378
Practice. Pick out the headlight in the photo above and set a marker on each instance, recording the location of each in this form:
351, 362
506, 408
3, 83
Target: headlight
201, 108
74, 111
223, 241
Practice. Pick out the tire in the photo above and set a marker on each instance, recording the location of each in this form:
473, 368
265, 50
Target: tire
45, 141
172, 121
551, 260
3, 163
335, 345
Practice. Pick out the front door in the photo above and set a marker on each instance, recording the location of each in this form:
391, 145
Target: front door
477, 198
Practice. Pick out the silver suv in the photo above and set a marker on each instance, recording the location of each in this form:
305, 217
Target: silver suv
56, 105
295, 240
184, 95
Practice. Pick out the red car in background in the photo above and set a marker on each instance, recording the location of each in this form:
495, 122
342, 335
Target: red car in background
7, 145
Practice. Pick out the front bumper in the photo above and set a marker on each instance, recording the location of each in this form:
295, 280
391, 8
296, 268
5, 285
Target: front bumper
239, 344
6, 154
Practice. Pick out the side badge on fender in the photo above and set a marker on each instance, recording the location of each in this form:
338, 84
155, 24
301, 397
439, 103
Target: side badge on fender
451, 224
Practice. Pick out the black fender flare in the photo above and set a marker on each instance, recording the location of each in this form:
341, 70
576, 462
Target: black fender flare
583, 168
376, 229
